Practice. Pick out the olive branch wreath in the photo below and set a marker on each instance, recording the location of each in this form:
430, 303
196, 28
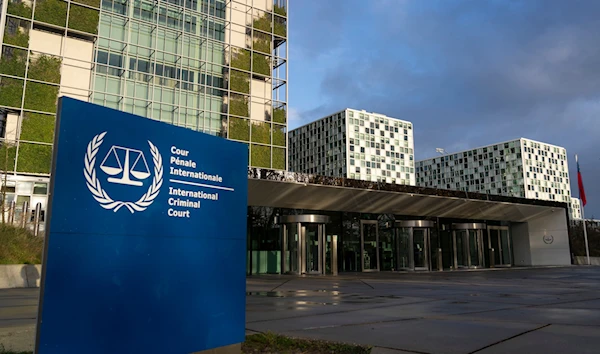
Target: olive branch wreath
93, 183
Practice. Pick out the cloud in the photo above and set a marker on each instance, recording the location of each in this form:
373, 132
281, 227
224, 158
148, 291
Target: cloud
467, 73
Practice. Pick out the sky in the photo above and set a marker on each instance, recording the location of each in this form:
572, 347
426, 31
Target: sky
466, 73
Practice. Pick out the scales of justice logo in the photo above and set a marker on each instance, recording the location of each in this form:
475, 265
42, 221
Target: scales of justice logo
123, 166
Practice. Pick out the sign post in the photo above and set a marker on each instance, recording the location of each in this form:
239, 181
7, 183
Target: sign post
146, 245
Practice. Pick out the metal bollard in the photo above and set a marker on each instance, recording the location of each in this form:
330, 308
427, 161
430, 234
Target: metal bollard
24, 214
11, 212
440, 264
492, 258
36, 220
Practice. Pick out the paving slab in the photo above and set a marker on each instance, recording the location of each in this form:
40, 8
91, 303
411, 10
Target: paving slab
551, 339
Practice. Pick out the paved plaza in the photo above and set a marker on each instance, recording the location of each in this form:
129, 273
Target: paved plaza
549, 310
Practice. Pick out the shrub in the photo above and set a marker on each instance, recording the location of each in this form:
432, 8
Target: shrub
19, 246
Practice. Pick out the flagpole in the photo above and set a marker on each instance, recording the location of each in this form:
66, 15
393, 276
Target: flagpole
587, 249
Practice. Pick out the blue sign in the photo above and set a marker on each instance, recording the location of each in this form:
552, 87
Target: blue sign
146, 249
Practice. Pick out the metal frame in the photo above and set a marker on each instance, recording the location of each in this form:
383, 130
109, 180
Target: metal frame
501, 250
300, 221
362, 245
467, 248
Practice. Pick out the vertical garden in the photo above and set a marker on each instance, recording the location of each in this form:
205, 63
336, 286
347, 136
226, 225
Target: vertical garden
30, 80
253, 68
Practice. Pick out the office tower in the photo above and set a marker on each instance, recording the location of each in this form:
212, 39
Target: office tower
355, 144
518, 168
215, 66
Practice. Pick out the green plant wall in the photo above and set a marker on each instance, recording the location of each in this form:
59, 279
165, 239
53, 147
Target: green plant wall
11, 92
240, 81
21, 37
278, 135
280, 10
260, 156
84, 19
41, 97
261, 64
239, 129
7, 165
34, 158
261, 132
93, 3
37, 127
240, 59
51, 11
19, 9
13, 62
280, 28
279, 115
238, 106
45, 68
263, 23
279, 159
261, 44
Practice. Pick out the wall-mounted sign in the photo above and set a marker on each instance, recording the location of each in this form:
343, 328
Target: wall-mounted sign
146, 246
548, 239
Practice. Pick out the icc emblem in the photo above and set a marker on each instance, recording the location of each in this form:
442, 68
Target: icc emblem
125, 166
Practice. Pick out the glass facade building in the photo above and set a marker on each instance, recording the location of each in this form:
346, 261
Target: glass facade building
355, 144
214, 66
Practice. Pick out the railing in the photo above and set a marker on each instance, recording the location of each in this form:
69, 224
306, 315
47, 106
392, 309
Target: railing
25, 217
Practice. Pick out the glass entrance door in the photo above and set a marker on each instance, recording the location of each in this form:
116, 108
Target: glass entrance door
420, 249
388, 249
461, 253
291, 252
468, 248
303, 247
369, 241
313, 238
475, 248
404, 248
499, 240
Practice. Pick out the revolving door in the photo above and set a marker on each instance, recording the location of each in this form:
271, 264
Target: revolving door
305, 248
413, 244
468, 245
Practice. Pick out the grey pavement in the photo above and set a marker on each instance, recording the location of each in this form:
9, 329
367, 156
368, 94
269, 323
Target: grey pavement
548, 310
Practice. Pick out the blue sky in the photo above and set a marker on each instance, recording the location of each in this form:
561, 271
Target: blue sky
466, 73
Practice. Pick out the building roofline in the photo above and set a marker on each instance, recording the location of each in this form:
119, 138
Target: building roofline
355, 110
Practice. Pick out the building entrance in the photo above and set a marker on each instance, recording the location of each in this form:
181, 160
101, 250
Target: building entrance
304, 244
413, 244
468, 245
499, 246
369, 245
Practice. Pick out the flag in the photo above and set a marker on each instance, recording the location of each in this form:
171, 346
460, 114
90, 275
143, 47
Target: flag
580, 184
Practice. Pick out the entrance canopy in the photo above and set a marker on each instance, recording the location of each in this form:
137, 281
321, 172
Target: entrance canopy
301, 191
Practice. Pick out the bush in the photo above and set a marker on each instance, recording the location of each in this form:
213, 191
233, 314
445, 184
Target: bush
18, 8
34, 158
260, 156
51, 11
45, 68
13, 62
37, 127
19, 246
84, 19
